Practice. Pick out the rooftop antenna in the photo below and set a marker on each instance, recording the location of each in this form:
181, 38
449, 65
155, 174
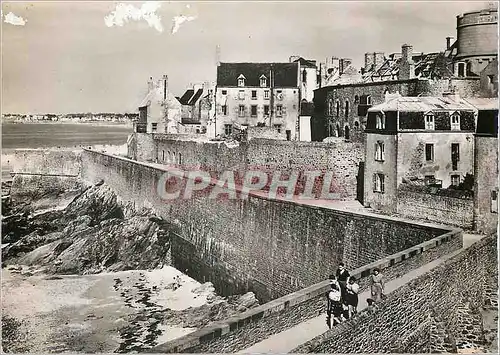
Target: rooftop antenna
217, 55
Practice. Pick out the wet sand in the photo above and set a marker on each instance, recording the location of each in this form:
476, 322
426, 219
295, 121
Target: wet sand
107, 312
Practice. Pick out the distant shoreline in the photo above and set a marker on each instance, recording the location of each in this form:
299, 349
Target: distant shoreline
99, 123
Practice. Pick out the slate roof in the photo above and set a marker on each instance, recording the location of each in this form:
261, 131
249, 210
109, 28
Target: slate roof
285, 74
421, 104
186, 97
195, 97
427, 65
306, 63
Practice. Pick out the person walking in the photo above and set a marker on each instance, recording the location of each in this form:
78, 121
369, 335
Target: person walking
352, 290
342, 276
377, 285
334, 304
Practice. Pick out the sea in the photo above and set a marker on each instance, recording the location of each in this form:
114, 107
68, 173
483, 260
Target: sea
64, 135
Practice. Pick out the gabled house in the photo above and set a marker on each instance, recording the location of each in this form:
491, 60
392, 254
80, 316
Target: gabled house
258, 94
197, 108
417, 139
159, 111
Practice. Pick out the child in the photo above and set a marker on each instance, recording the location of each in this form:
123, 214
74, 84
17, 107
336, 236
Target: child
352, 290
334, 304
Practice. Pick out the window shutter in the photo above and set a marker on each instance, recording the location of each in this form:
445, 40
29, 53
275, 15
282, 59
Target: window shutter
382, 183
374, 182
376, 151
383, 150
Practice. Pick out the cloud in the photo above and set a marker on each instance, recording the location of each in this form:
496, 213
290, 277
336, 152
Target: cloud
14, 20
123, 13
179, 20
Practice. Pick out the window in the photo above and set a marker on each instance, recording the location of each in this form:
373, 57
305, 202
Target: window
254, 94
254, 110
278, 127
224, 110
379, 151
429, 152
279, 110
304, 76
241, 94
455, 180
224, 92
429, 121
266, 110
337, 108
378, 183
455, 155
494, 201
263, 81
356, 124
491, 78
368, 100
154, 127
346, 111
228, 129
266, 94
241, 80
356, 99
180, 158
330, 108
241, 111
455, 122
461, 69
163, 155
380, 121
279, 94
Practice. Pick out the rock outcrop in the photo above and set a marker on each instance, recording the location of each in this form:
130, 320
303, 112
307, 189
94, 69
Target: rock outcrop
94, 233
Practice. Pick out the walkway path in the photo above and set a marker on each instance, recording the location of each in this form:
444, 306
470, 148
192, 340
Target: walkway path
289, 339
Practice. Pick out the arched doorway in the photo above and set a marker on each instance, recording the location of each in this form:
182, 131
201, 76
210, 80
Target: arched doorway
346, 132
338, 131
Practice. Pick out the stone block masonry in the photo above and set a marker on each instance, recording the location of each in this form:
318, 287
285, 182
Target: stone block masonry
270, 247
403, 322
450, 210
241, 332
342, 158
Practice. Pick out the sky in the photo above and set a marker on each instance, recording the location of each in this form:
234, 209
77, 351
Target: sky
60, 57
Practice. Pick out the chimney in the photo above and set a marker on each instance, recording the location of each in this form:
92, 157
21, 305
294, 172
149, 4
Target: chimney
369, 61
378, 58
407, 67
343, 64
407, 53
165, 86
448, 42
150, 83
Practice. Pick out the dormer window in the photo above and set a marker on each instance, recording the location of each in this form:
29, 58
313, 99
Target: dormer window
455, 121
241, 80
429, 121
263, 81
380, 121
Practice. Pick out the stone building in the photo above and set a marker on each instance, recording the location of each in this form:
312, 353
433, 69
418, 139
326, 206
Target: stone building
341, 108
159, 111
197, 108
258, 94
426, 139
308, 77
477, 42
486, 165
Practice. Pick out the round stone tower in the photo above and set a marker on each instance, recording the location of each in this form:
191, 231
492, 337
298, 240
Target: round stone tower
477, 38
